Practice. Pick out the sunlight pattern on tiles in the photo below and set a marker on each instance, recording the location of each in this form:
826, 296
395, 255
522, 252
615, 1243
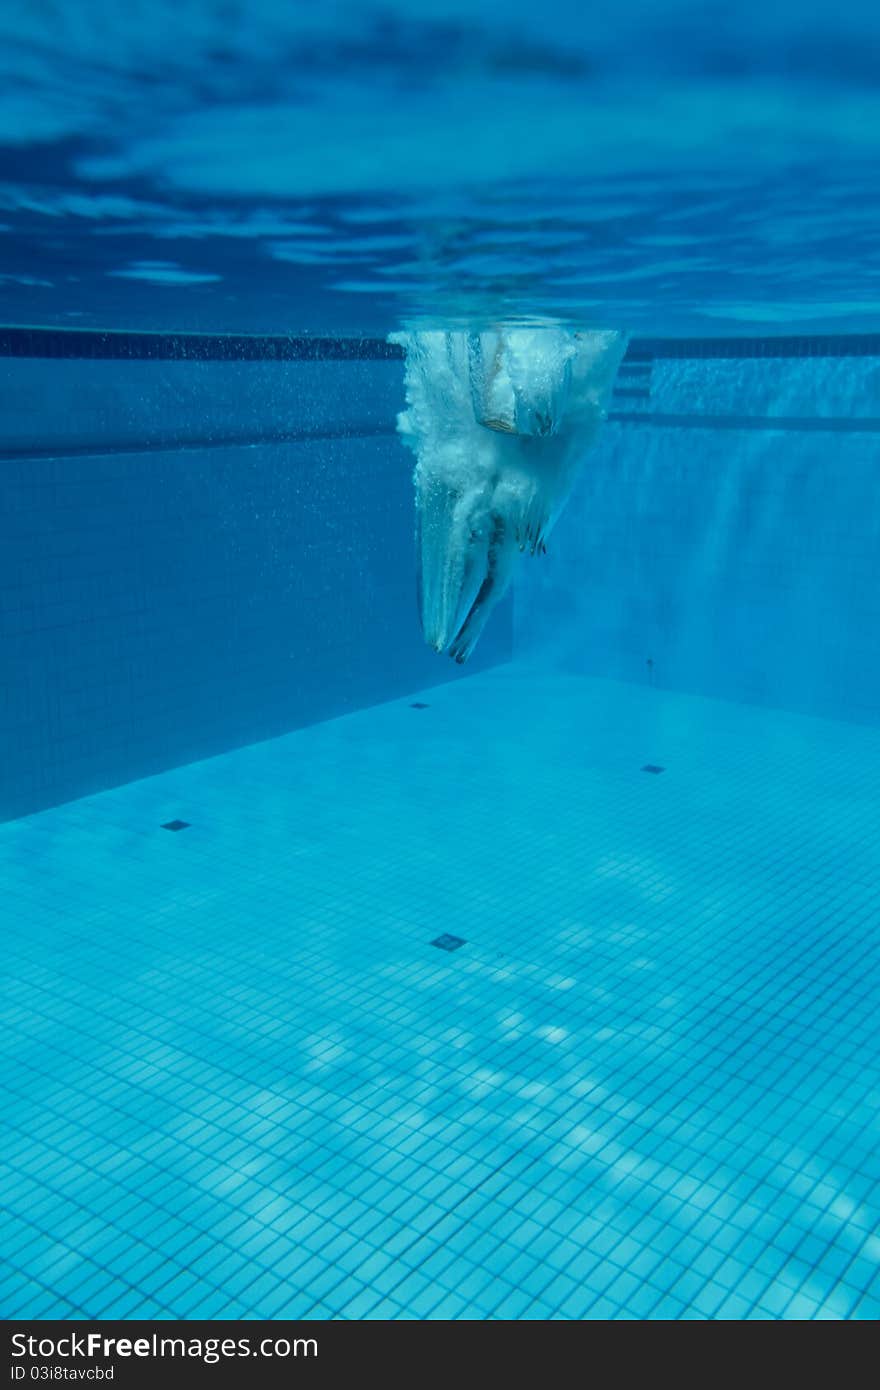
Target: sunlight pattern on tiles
239, 1081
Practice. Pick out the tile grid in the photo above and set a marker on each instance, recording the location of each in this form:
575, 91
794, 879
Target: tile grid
241, 1082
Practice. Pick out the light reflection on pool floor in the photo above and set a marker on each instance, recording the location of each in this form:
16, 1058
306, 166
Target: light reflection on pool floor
240, 1082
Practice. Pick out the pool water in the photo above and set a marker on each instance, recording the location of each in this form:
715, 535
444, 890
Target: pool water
679, 168
244, 1080
345, 981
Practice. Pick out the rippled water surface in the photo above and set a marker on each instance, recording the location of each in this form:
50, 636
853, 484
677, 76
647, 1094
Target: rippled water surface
261, 167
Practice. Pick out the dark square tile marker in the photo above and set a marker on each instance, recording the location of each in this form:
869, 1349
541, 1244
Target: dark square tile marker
448, 943
176, 825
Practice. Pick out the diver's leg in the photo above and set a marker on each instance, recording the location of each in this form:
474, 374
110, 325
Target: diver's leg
500, 558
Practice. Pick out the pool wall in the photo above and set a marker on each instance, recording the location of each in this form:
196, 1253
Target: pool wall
166, 594
198, 555
731, 551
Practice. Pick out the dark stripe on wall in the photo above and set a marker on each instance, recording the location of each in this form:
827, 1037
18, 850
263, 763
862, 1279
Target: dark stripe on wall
182, 443
103, 345
178, 443
828, 424
736, 349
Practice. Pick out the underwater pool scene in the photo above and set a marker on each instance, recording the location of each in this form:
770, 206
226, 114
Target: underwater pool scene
439, 663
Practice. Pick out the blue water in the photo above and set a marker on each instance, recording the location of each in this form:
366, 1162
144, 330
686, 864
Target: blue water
680, 168
245, 811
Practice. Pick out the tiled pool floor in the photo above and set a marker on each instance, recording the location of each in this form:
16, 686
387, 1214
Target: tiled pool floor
238, 1080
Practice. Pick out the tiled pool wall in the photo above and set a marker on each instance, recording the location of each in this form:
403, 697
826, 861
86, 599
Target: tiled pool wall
198, 555
719, 555
166, 594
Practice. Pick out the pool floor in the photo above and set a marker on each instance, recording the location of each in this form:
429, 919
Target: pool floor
241, 1079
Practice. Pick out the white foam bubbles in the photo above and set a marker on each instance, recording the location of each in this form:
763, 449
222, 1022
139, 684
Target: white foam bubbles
499, 420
